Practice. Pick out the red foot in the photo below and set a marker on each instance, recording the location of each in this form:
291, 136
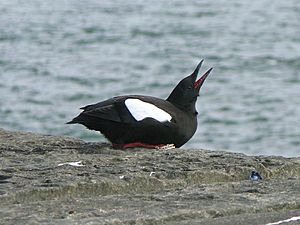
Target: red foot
138, 144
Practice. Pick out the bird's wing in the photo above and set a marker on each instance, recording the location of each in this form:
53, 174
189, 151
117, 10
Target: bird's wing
107, 112
111, 109
128, 109
107, 102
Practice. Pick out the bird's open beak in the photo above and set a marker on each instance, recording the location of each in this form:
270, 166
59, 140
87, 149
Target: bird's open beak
201, 80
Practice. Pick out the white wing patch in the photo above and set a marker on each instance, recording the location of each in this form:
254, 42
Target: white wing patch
141, 110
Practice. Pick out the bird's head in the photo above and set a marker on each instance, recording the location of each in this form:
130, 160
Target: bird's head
184, 95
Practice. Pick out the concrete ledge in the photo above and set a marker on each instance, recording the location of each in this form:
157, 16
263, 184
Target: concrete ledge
139, 186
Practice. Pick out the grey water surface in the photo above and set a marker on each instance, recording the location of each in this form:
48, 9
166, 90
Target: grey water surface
56, 56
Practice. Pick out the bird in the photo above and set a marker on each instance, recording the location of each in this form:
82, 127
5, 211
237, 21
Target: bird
143, 121
255, 176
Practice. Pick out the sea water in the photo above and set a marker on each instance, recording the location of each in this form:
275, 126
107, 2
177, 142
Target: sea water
56, 56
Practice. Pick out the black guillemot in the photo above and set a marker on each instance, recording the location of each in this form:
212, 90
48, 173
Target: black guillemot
144, 121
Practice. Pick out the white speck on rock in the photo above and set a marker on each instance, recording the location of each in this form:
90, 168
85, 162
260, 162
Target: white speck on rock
285, 221
71, 164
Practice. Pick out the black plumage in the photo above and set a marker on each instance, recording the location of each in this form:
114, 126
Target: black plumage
118, 123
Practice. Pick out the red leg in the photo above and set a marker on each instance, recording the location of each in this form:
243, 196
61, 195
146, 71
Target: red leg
140, 144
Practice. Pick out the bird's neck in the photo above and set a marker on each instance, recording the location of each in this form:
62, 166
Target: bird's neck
176, 98
189, 108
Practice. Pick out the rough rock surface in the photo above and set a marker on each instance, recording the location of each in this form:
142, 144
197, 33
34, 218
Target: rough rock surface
139, 186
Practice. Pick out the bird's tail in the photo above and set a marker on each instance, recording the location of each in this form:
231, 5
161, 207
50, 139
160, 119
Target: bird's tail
71, 122
88, 121
77, 119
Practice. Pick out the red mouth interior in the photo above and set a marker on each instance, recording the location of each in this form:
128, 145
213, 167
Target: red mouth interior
199, 81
